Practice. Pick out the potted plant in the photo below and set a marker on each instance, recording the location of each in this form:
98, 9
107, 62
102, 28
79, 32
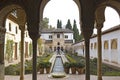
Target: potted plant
80, 67
73, 67
66, 67
48, 66
41, 66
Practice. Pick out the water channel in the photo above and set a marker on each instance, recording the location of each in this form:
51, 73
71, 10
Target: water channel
58, 65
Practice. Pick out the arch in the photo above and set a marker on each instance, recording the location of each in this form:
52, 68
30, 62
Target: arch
114, 44
100, 9
44, 3
106, 44
5, 11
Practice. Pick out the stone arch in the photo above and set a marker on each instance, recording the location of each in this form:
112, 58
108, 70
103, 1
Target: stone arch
5, 11
114, 44
44, 3
100, 10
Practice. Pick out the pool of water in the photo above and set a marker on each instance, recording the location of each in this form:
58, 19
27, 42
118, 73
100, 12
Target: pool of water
58, 65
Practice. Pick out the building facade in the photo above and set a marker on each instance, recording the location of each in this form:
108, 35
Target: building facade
13, 41
110, 45
57, 38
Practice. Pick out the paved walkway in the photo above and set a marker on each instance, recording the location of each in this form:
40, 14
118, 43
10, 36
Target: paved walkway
69, 77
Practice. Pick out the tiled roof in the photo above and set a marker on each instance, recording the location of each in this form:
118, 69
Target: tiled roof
58, 30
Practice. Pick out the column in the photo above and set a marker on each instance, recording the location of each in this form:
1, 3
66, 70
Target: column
2, 43
87, 32
34, 36
34, 59
22, 57
99, 46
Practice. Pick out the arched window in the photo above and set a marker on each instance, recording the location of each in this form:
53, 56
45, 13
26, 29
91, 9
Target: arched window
114, 44
16, 30
95, 45
91, 45
9, 26
105, 44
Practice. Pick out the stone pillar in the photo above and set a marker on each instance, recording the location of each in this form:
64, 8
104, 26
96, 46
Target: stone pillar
99, 46
87, 32
22, 57
34, 38
2, 43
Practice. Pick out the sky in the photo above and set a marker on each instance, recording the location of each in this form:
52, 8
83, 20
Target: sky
67, 9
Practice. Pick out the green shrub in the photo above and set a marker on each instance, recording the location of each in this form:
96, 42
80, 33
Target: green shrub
80, 65
66, 65
12, 70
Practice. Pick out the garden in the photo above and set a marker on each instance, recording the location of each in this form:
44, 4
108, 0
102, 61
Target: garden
79, 62
42, 63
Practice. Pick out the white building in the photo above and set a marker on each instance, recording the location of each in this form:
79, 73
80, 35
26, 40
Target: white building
110, 45
57, 38
13, 40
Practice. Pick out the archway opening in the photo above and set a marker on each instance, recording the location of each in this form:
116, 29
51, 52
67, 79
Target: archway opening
112, 18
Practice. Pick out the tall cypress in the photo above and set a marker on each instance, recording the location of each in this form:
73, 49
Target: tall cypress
59, 24
68, 25
76, 32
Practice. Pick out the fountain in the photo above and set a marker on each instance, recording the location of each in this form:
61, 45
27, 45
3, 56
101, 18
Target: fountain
58, 69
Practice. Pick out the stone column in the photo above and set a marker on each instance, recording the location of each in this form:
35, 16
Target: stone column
2, 43
99, 46
22, 57
34, 36
87, 32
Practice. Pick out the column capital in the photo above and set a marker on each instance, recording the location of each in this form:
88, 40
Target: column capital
99, 26
22, 27
87, 33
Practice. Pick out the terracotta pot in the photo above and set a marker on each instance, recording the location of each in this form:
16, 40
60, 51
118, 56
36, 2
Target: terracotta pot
73, 70
41, 70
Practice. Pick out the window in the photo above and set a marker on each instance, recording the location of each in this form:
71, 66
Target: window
58, 35
91, 45
114, 44
9, 26
66, 36
16, 30
50, 36
105, 44
26, 34
95, 45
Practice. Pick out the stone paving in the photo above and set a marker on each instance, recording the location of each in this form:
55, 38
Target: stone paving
69, 77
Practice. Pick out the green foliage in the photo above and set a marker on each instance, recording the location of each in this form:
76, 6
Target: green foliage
28, 67
9, 50
76, 32
45, 22
70, 59
68, 25
41, 62
80, 65
59, 24
12, 69
66, 65
30, 49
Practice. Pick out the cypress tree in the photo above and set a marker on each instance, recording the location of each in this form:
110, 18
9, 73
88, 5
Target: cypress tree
68, 25
76, 32
59, 24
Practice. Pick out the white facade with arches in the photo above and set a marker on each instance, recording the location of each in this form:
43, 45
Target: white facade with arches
110, 45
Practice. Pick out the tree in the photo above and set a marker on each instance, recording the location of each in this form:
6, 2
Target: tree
45, 22
76, 32
68, 25
59, 24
